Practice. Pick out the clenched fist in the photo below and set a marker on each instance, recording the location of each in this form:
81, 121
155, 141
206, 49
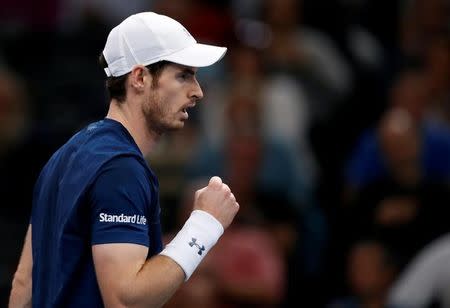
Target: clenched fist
218, 200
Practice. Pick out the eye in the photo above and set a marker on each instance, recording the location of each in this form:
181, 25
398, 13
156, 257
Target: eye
182, 76
185, 75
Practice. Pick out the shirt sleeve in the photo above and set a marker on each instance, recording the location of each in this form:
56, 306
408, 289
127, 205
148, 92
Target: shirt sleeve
120, 199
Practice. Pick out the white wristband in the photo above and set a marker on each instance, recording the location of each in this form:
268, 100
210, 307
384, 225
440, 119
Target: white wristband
198, 235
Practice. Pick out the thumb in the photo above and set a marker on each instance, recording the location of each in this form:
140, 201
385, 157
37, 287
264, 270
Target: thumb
198, 192
215, 182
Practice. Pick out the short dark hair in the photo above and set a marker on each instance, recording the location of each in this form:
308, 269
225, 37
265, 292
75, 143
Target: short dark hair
116, 85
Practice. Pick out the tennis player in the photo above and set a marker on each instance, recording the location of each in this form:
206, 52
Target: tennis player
94, 238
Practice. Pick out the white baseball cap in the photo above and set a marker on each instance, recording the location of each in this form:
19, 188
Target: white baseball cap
147, 38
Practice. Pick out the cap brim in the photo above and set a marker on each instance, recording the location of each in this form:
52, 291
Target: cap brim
197, 55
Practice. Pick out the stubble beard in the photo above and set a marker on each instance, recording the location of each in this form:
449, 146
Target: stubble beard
155, 113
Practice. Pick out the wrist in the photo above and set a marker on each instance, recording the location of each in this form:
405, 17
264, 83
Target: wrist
198, 235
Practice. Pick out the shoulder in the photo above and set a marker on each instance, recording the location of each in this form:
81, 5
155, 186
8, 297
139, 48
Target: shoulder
96, 144
108, 145
125, 169
109, 137
122, 184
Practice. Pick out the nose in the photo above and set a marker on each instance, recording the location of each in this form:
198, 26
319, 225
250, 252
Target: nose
196, 92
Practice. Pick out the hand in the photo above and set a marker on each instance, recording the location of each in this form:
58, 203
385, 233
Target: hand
396, 211
217, 200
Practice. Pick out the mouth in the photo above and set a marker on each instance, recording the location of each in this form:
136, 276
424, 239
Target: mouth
185, 109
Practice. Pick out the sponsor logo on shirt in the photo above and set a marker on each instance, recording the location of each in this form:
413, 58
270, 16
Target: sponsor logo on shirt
134, 219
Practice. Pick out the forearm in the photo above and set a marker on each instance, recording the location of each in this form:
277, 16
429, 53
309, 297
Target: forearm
127, 279
159, 277
154, 283
22, 283
20, 296
150, 283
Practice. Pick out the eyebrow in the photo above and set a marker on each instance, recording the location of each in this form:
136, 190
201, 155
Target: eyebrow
189, 70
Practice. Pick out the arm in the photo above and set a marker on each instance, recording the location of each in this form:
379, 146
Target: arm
21, 286
127, 279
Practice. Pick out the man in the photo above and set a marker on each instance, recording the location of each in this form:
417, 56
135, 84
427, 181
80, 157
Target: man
371, 269
95, 239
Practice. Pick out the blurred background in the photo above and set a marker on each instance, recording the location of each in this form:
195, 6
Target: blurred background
329, 119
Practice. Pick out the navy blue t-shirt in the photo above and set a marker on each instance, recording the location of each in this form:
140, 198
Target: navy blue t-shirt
95, 189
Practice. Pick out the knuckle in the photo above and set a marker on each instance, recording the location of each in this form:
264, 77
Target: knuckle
226, 188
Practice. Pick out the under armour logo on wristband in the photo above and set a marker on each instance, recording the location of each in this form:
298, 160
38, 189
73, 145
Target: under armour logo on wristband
200, 248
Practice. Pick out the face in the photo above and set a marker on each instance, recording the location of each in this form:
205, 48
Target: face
167, 103
367, 273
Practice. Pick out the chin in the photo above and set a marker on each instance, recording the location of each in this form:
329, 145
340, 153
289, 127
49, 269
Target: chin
175, 126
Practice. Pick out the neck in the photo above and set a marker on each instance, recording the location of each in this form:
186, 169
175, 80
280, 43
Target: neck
135, 123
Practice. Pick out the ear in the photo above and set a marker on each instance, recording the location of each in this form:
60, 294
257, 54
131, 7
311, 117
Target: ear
139, 77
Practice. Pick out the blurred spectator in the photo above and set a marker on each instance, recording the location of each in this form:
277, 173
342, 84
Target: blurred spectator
371, 270
410, 91
422, 21
14, 110
286, 117
17, 147
250, 267
108, 12
405, 145
29, 15
398, 183
437, 72
426, 280
307, 54
405, 218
